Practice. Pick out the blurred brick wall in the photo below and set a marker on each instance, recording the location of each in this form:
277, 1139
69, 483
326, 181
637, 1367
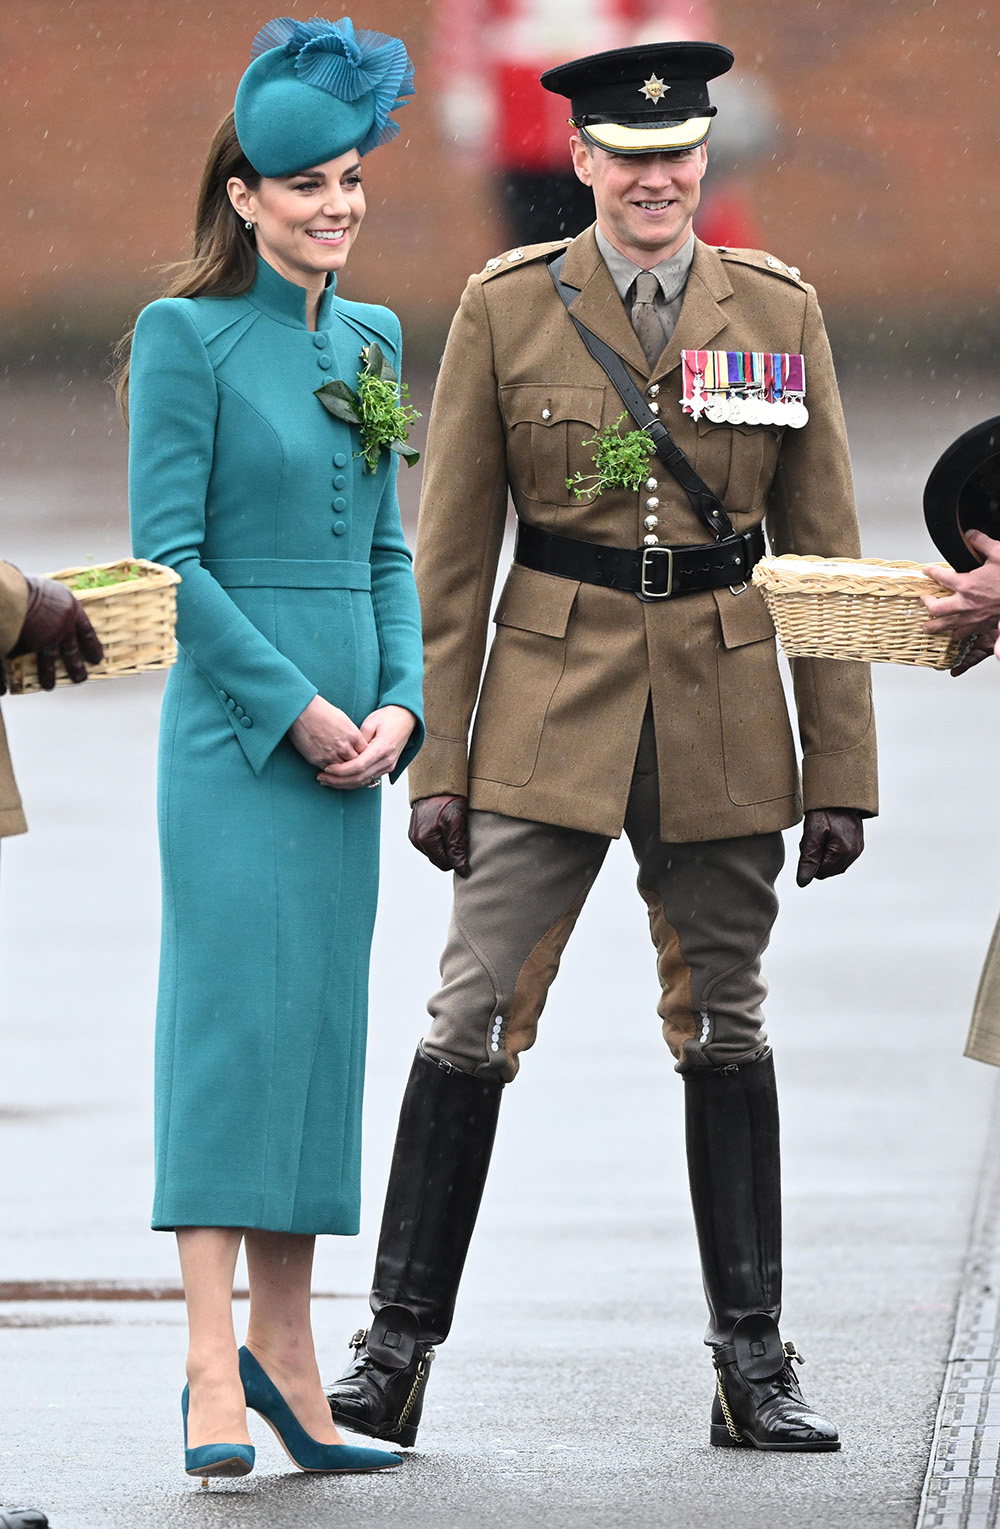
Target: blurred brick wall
883, 187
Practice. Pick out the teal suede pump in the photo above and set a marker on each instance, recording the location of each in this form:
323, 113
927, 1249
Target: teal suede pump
307, 1453
214, 1459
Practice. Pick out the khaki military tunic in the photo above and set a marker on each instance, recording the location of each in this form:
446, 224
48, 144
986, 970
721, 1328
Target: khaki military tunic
13, 605
573, 666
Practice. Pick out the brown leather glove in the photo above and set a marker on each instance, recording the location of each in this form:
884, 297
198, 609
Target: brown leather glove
832, 839
439, 829
56, 626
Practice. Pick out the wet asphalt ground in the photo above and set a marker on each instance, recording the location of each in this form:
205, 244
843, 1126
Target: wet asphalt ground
574, 1392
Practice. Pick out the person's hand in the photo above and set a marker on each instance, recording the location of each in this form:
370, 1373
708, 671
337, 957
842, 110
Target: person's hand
439, 829
384, 734
973, 604
984, 645
832, 839
323, 733
55, 626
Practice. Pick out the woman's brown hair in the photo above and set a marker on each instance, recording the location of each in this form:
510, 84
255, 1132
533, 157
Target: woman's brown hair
223, 262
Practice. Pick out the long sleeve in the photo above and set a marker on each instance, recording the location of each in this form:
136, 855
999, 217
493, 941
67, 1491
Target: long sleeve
13, 606
463, 507
173, 406
811, 510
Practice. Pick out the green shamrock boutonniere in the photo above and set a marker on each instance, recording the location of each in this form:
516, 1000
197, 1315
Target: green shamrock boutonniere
379, 407
622, 461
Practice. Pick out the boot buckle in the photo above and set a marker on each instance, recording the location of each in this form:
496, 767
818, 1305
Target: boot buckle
357, 1343
793, 1353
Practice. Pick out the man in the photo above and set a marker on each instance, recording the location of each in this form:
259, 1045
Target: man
37, 616
633, 685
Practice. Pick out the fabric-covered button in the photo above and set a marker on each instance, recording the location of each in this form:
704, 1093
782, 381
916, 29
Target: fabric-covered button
223, 696
239, 712
246, 722
231, 704
339, 480
319, 340
340, 503
339, 527
340, 459
325, 361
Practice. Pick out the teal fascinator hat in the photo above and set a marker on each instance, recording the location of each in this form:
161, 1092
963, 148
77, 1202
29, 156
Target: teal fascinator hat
315, 90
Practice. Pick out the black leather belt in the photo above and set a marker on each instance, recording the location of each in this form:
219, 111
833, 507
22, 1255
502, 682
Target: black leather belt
651, 573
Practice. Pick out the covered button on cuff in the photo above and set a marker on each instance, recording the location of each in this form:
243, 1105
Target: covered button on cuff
340, 459
246, 722
339, 527
319, 340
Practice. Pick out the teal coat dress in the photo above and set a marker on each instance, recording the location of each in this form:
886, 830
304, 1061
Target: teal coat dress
295, 580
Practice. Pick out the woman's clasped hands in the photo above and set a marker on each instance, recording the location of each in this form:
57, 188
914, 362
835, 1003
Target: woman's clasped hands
349, 756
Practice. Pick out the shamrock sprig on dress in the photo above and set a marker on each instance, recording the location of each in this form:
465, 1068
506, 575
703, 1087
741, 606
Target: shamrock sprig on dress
622, 461
379, 407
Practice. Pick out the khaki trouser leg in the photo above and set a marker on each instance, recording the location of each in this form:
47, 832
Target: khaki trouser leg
512, 917
711, 907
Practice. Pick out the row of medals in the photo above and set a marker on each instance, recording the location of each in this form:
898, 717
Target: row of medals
726, 408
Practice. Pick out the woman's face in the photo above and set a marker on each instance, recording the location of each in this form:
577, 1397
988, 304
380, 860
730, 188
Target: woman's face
306, 223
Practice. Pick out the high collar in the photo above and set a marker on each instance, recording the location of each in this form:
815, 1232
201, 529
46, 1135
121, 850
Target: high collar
285, 301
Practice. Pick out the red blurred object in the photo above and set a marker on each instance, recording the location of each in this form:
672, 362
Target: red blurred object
725, 216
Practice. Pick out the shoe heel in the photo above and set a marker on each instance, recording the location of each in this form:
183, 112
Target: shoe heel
721, 1438
405, 1436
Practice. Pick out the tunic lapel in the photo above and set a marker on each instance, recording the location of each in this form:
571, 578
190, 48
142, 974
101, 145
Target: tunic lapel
701, 316
599, 307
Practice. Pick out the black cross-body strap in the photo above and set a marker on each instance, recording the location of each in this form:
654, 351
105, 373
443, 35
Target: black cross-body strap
706, 505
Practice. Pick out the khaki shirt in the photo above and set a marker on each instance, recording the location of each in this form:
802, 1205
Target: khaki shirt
13, 605
573, 666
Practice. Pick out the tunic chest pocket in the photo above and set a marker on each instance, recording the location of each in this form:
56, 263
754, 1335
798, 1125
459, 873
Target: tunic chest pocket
547, 425
737, 461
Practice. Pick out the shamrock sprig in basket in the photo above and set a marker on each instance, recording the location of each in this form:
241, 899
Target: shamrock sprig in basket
133, 607
379, 408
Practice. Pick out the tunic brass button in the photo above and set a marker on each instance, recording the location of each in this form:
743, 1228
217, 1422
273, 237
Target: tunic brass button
654, 389
654, 408
652, 503
652, 485
546, 413
651, 541
651, 521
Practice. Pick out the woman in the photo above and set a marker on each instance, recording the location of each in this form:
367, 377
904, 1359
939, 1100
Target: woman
296, 689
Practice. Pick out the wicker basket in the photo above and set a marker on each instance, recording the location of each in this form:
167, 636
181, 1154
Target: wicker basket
855, 608
135, 621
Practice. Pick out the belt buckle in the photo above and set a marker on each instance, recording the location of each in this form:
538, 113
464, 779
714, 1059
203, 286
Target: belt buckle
645, 592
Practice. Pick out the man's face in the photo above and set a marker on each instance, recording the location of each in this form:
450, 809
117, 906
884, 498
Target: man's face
645, 202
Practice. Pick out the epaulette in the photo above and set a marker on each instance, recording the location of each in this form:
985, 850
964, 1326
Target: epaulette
523, 255
760, 260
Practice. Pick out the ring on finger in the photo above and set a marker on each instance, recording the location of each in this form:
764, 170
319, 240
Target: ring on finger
373, 785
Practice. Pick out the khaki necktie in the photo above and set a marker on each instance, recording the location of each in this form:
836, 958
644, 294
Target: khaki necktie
645, 319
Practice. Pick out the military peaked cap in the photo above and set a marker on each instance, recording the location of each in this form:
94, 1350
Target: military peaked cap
645, 100
963, 494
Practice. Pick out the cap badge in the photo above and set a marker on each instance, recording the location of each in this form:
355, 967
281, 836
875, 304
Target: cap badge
654, 88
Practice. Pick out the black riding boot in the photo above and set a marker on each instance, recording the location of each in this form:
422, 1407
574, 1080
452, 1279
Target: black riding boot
439, 1166
735, 1172
22, 1518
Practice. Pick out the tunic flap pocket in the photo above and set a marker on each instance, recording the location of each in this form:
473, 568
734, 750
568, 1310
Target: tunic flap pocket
538, 403
744, 617
536, 602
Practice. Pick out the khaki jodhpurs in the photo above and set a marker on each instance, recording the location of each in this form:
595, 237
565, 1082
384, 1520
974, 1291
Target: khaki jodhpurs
711, 908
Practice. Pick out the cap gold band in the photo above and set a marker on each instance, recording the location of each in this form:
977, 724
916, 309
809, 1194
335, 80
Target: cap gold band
621, 139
